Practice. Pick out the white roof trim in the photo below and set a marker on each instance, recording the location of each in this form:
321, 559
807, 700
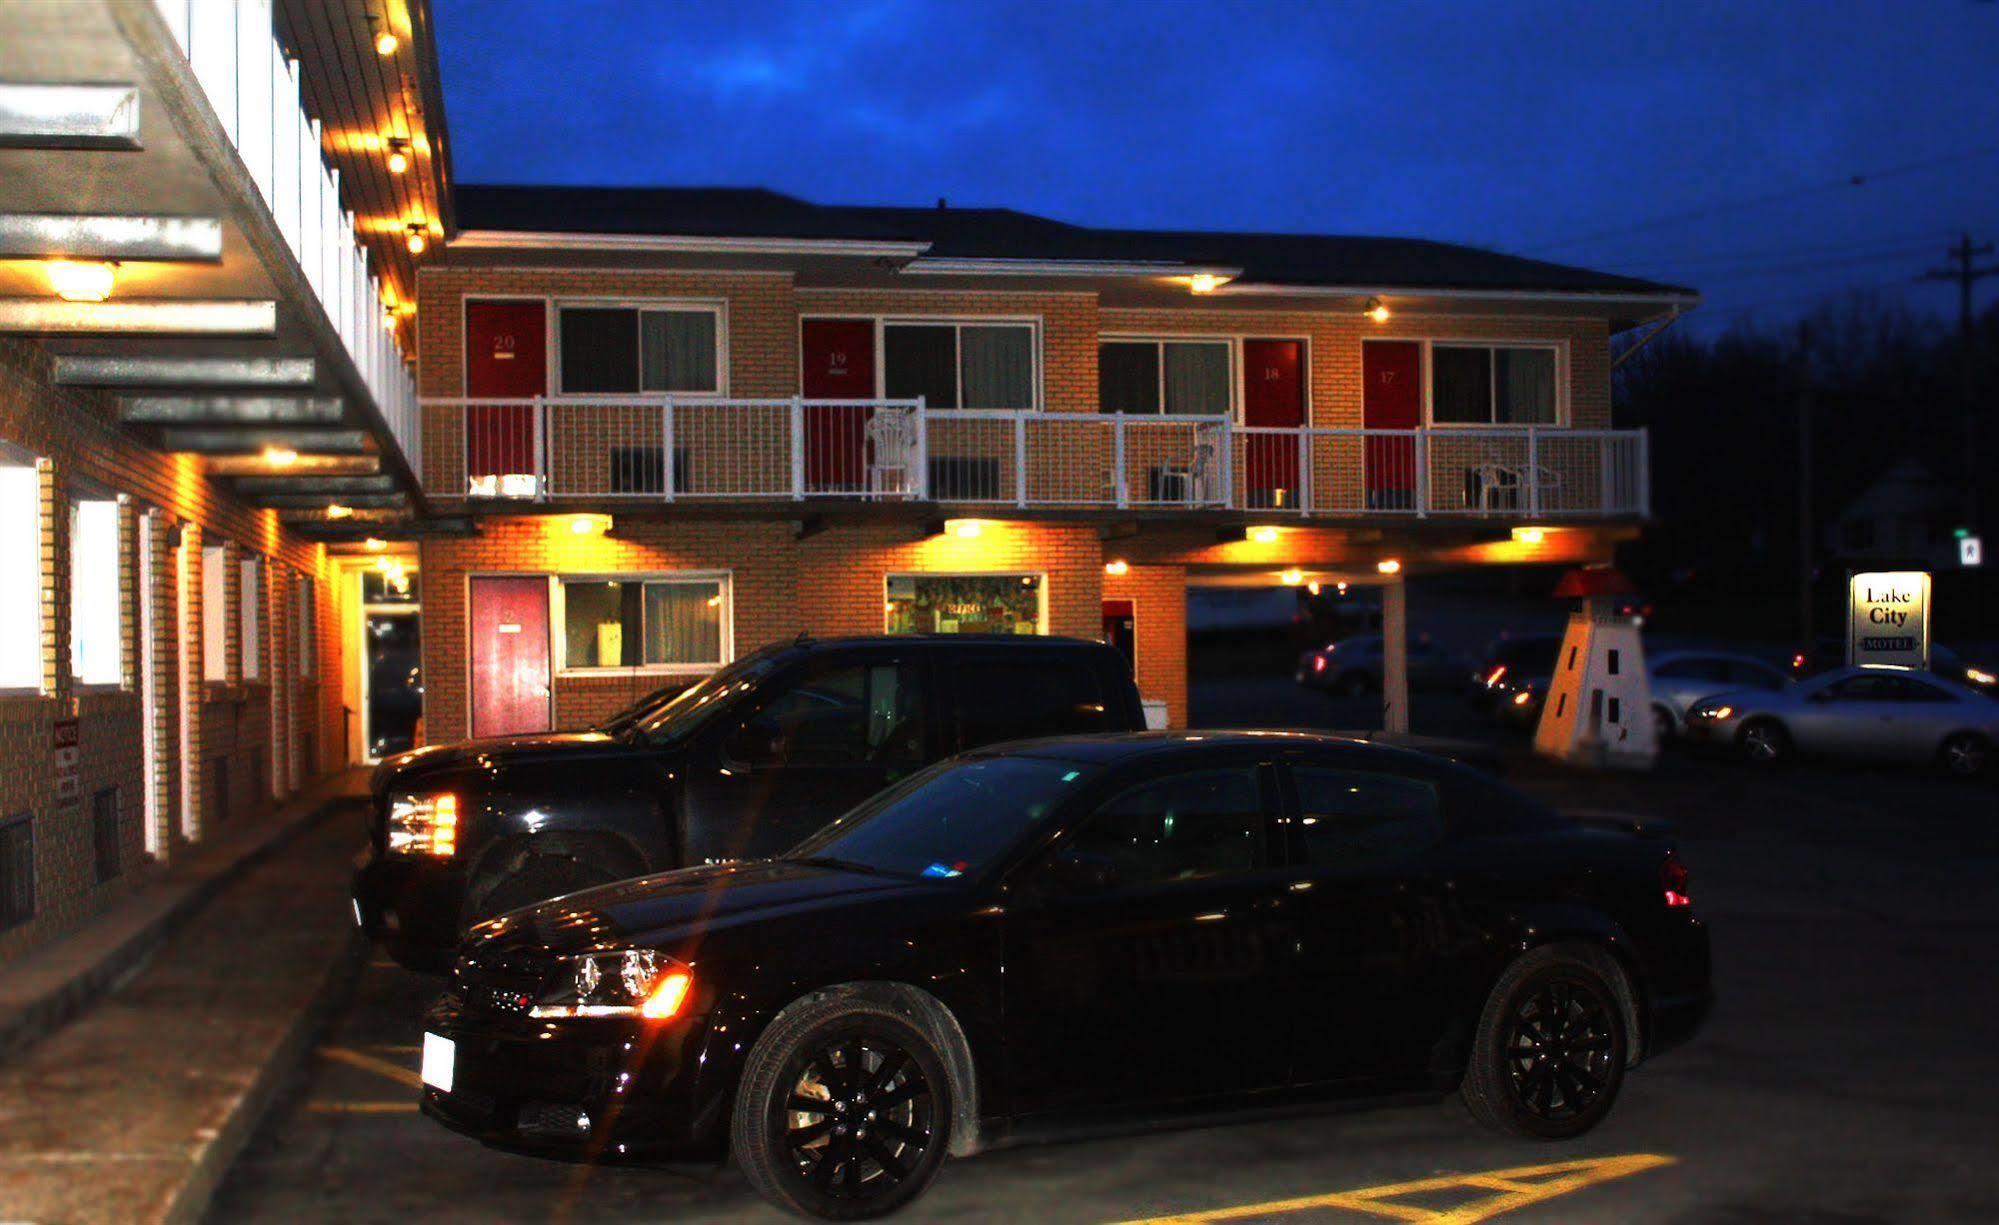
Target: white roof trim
1265, 290
993, 266
685, 244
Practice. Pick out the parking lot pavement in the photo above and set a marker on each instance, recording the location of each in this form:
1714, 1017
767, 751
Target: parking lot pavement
1846, 1075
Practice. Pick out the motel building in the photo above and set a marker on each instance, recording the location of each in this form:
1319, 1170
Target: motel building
309, 453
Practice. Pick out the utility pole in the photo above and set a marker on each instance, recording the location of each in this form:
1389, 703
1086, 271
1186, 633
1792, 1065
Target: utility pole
1806, 642
1963, 271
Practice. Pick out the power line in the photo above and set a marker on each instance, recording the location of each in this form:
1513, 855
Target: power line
1903, 243
1747, 271
1862, 179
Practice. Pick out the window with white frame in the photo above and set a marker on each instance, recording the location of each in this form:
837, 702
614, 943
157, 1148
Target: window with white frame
663, 621
214, 613
1473, 384
250, 610
20, 560
960, 365
305, 624
95, 634
1187, 377
627, 350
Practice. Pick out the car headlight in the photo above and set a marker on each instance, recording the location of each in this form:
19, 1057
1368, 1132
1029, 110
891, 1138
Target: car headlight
1712, 714
423, 824
1979, 676
631, 983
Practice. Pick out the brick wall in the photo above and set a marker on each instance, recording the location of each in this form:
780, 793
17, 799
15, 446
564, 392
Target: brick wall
73, 437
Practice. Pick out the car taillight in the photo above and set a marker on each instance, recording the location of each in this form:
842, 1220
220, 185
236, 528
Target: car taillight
1674, 879
1318, 663
1492, 678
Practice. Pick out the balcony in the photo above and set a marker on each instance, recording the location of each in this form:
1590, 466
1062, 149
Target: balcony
672, 450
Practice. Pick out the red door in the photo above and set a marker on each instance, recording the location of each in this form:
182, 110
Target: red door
837, 362
506, 358
1391, 399
1273, 396
509, 624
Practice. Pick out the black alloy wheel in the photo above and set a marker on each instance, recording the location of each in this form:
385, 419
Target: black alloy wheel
1966, 754
1559, 1044
1765, 742
1548, 1057
844, 1110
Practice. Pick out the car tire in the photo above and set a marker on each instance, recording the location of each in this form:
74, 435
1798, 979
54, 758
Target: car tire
827, 1163
1548, 1057
531, 878
1966, 754
1354, 685
1663, 725
1764, 742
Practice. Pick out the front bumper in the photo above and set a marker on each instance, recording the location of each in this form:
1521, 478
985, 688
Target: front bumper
412, 904
576, 1089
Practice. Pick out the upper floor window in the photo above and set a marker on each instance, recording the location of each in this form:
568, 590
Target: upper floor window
20, 559
626, 350
1170, 376
1493, 385
94, 629
305, 623
214, 613
960, 365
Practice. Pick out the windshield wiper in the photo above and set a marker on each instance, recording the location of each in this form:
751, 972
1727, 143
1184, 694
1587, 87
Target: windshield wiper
845, 865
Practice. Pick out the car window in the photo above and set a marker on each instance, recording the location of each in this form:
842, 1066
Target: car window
1747, 675
1694, 670
1025, 695
950, 820
1912, 689
1868, 687
1187, 826
1359, 817
838, 714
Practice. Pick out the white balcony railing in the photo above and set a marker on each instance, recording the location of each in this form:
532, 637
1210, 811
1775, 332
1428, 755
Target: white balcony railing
254, 91
674, 449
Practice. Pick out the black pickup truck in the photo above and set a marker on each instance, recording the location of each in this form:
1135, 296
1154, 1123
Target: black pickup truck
743, 764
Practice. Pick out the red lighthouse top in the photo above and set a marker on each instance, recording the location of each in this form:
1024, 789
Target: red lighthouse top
1593, 581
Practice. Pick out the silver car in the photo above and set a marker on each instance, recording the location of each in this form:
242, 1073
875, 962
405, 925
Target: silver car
1681, 678
1879, 713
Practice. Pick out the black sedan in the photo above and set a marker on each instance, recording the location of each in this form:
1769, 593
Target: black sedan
1095, 930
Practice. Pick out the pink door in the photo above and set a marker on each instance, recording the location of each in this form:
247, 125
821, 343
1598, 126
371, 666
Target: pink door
1391, 399
505, 359
837, 362
1273, 396
509, 626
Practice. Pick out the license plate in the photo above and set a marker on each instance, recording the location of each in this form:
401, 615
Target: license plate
438, 1054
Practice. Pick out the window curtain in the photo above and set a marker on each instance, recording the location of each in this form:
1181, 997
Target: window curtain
998, 366
1197, 379
677, 349
1526, 380
1128, 377
683, 623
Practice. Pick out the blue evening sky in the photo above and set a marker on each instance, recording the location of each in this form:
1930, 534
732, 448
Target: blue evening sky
1703, 142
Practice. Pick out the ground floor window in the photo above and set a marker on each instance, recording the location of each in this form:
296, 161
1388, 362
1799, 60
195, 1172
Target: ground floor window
644, 621
966, 604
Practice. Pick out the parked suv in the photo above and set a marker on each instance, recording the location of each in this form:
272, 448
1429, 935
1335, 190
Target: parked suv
742, 765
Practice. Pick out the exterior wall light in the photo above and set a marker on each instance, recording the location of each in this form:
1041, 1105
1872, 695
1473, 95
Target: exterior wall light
374, 545
386, 43
1529, 535
337, 511
1376, 310
1292, 577
399, 155
418, 237
81, 281
589, 525
1263, 535
1118, 568
1388, 566
965, 529
1203, 282
280, 457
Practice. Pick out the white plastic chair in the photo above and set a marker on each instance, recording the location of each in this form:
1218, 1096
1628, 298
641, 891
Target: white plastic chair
891, 436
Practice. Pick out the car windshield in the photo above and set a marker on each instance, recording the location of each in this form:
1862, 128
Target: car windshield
950, 820
639, 709
694, 706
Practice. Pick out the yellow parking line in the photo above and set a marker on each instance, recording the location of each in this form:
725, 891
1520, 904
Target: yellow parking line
368, 1063
361, 1107
1516, 1188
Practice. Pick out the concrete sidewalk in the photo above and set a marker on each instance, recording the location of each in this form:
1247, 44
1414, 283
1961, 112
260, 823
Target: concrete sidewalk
133, 1111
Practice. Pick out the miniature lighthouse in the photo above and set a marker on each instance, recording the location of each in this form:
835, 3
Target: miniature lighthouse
1598, 711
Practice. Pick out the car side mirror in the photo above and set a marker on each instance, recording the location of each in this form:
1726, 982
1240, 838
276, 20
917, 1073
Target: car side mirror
1079, 871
